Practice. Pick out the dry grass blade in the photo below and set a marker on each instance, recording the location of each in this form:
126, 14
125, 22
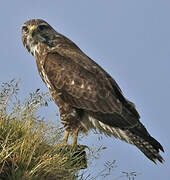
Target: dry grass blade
28, 150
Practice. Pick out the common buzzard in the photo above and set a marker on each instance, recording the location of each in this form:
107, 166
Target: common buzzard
87, 96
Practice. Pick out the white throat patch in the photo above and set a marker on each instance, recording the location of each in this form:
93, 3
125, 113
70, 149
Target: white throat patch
33, 47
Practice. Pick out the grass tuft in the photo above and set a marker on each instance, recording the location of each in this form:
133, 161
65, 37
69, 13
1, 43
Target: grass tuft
30, 148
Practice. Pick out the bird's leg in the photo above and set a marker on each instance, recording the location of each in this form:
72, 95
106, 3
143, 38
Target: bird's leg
65, 140
75, 137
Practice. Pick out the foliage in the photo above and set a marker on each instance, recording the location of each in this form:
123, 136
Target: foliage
31, 149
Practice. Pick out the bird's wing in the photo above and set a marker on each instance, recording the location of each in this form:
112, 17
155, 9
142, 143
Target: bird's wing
86, 86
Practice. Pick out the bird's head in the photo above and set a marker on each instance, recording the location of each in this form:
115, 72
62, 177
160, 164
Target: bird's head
35, 32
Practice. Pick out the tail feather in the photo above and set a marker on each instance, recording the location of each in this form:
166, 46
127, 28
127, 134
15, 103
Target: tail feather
148, 149
147, 144
137, 136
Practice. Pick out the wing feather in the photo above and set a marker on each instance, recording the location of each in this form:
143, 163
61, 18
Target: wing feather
68, 49
88, 89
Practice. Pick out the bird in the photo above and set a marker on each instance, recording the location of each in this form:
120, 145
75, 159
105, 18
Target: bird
87, 96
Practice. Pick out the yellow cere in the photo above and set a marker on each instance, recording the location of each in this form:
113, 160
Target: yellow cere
32, 28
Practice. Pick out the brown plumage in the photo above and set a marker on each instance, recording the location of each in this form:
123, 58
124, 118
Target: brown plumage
87, 96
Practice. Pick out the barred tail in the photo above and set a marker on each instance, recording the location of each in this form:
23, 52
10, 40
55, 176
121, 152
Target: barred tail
137, 136
147, 144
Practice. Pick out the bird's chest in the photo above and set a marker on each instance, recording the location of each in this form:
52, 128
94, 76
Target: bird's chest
39, 51
43, 74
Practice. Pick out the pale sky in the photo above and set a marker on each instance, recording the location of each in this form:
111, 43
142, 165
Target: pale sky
130, 39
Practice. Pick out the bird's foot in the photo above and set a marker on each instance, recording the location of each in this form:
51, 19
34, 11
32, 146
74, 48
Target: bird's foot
65, 140
74, 144
75, 137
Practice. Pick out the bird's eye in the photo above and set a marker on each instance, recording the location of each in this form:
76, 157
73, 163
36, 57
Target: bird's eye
42, 27
25, 29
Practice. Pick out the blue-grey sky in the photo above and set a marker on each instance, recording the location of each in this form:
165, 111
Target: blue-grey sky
130, 39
